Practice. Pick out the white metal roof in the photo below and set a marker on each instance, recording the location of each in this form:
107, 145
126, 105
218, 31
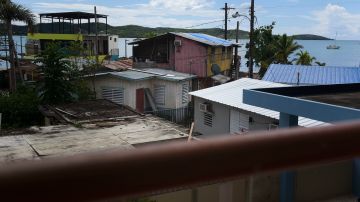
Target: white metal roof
231, 94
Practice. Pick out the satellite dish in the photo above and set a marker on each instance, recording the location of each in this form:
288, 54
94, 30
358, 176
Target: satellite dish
215, 69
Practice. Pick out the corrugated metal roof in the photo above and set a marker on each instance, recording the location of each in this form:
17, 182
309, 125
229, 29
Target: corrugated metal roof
231, 94
129, 75
199, 37
149, 73
205, 39
312, 75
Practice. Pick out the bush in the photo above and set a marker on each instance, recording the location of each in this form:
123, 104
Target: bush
20, 109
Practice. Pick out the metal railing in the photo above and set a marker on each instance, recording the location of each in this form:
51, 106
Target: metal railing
152, 169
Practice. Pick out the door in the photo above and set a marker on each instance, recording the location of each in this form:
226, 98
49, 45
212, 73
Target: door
140, 100
239, 122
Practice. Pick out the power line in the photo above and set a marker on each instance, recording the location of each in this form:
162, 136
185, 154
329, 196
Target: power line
204, 24
226, 9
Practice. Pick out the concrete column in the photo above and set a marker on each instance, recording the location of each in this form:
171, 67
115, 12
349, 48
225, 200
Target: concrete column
287, 178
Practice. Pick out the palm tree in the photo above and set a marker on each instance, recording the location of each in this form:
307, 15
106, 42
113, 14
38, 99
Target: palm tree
10, 12
285, 46
304, 58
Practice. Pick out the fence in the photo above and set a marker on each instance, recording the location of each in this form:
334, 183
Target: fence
182, 116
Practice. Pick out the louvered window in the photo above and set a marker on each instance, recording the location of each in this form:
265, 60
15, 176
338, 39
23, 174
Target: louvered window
159, 93
185, 93
208, 119
115, 95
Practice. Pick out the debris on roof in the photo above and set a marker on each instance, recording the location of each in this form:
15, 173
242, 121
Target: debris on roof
119, 65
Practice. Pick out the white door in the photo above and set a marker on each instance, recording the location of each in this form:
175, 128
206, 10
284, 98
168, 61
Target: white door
239, 122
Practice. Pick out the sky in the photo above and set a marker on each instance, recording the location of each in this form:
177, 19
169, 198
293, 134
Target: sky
321, 17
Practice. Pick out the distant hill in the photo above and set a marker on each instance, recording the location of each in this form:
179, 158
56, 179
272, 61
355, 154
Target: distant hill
135, 31
309, 37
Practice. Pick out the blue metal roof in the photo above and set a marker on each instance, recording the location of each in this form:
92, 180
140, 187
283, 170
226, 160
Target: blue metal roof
205, 39
312, 75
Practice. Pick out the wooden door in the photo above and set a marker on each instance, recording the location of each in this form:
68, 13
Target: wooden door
140, 100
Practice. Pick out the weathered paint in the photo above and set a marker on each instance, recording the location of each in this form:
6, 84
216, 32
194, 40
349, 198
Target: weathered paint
223, 59
47, 36
221, 119
190, 57
173, 90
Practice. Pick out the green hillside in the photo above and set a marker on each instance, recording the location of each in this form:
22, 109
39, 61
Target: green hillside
135, 31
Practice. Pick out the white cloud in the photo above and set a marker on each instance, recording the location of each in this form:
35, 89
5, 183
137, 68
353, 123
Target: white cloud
156, 13
327, 22
181, 4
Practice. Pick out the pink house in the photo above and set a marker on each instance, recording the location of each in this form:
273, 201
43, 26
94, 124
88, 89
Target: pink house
193, 53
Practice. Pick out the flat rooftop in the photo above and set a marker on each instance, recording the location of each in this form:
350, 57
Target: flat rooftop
72, 15
87, 126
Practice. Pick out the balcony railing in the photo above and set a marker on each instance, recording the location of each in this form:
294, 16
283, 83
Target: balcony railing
153, 169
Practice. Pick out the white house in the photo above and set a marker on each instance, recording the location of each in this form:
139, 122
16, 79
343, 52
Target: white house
220, 110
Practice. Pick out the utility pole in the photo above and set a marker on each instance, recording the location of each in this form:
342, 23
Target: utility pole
226, 9
236, 58
252, 45
96, 51
126, 47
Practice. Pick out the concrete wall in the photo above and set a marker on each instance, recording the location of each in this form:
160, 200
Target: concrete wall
221, 119
223, 60
113, 42
173, 90
190, 51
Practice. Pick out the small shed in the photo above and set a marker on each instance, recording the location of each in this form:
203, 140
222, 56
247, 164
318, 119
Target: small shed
144, 90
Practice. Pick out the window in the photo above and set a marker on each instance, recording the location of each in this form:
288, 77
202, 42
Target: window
185, 93
115, 95
114, 39
110, 38
159, 93
208, 119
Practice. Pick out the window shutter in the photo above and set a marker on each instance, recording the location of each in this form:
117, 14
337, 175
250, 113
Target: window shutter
115, 95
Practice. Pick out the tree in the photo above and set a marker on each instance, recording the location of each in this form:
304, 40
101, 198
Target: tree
285, 46
10, 12
304, 58
264, 50
59, 75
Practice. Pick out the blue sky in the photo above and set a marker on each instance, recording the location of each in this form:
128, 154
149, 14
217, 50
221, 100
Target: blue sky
322, 17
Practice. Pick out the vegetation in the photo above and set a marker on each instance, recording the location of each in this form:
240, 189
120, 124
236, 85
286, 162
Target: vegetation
276, 49
135, 31
20, 109
285, 46
304, 58
62, 80
9, 12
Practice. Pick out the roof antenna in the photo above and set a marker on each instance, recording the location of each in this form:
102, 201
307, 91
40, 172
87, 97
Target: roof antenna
298, 78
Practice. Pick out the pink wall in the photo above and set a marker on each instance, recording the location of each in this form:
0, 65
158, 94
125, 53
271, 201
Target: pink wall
190, 51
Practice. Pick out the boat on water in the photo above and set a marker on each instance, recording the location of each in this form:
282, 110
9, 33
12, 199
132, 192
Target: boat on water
333, 46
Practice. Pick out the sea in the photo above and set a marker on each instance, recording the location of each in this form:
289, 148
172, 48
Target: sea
347, 56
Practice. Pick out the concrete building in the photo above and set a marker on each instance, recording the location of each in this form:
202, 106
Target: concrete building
220, 110
66, 27
146, 89
311, 75
192, 53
